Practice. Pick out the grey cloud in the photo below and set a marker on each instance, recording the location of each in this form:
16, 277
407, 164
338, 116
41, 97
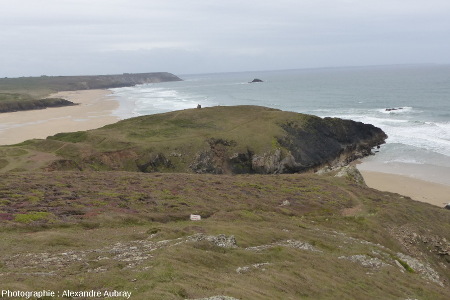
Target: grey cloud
103, 36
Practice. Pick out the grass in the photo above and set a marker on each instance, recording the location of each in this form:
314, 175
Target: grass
113, 246
32, 217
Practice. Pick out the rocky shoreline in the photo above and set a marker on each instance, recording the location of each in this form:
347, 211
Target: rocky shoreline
8, 106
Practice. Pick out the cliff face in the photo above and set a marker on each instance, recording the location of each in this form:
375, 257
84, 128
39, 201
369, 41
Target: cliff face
328, 142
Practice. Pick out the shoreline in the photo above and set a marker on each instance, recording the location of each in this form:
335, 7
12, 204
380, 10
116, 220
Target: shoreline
417, 189
94, 110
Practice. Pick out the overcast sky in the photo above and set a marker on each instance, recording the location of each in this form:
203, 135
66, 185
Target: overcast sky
74, 37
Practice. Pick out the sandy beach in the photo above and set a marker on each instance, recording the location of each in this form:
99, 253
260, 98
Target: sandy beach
420, 190
94, 111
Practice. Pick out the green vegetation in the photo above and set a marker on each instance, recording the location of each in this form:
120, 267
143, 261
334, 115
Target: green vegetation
32, 217
294, 236
405, 265
72, 137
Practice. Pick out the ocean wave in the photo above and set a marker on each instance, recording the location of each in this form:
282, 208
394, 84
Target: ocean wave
148, 99
405, 160
432, 136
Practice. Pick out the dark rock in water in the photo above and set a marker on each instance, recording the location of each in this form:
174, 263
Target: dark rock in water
391, 109
447, 206
256, 80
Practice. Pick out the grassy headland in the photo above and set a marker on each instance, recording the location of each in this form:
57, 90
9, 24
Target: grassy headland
221, 140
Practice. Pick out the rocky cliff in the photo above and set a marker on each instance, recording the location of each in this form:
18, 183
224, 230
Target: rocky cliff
218, 140
305, 144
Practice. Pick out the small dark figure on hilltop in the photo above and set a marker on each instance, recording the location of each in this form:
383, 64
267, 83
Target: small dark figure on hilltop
199, 106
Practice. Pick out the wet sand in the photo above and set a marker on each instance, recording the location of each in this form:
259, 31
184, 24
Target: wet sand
420, 190
94, 110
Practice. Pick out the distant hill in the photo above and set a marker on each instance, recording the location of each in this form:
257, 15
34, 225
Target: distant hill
218, 140
27, 93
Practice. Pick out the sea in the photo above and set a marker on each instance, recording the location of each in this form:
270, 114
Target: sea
411, 103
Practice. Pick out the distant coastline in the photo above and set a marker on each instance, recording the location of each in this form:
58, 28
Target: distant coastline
94, 110
30, 93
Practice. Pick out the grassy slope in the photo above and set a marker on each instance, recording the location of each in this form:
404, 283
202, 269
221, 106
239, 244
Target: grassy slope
130, 231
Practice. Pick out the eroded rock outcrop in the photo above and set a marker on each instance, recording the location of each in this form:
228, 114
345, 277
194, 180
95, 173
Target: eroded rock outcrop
328, 142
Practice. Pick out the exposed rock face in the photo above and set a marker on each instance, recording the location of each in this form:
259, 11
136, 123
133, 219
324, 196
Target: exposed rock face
215, 160
353, 174
330, 142
333, 142
220, 240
